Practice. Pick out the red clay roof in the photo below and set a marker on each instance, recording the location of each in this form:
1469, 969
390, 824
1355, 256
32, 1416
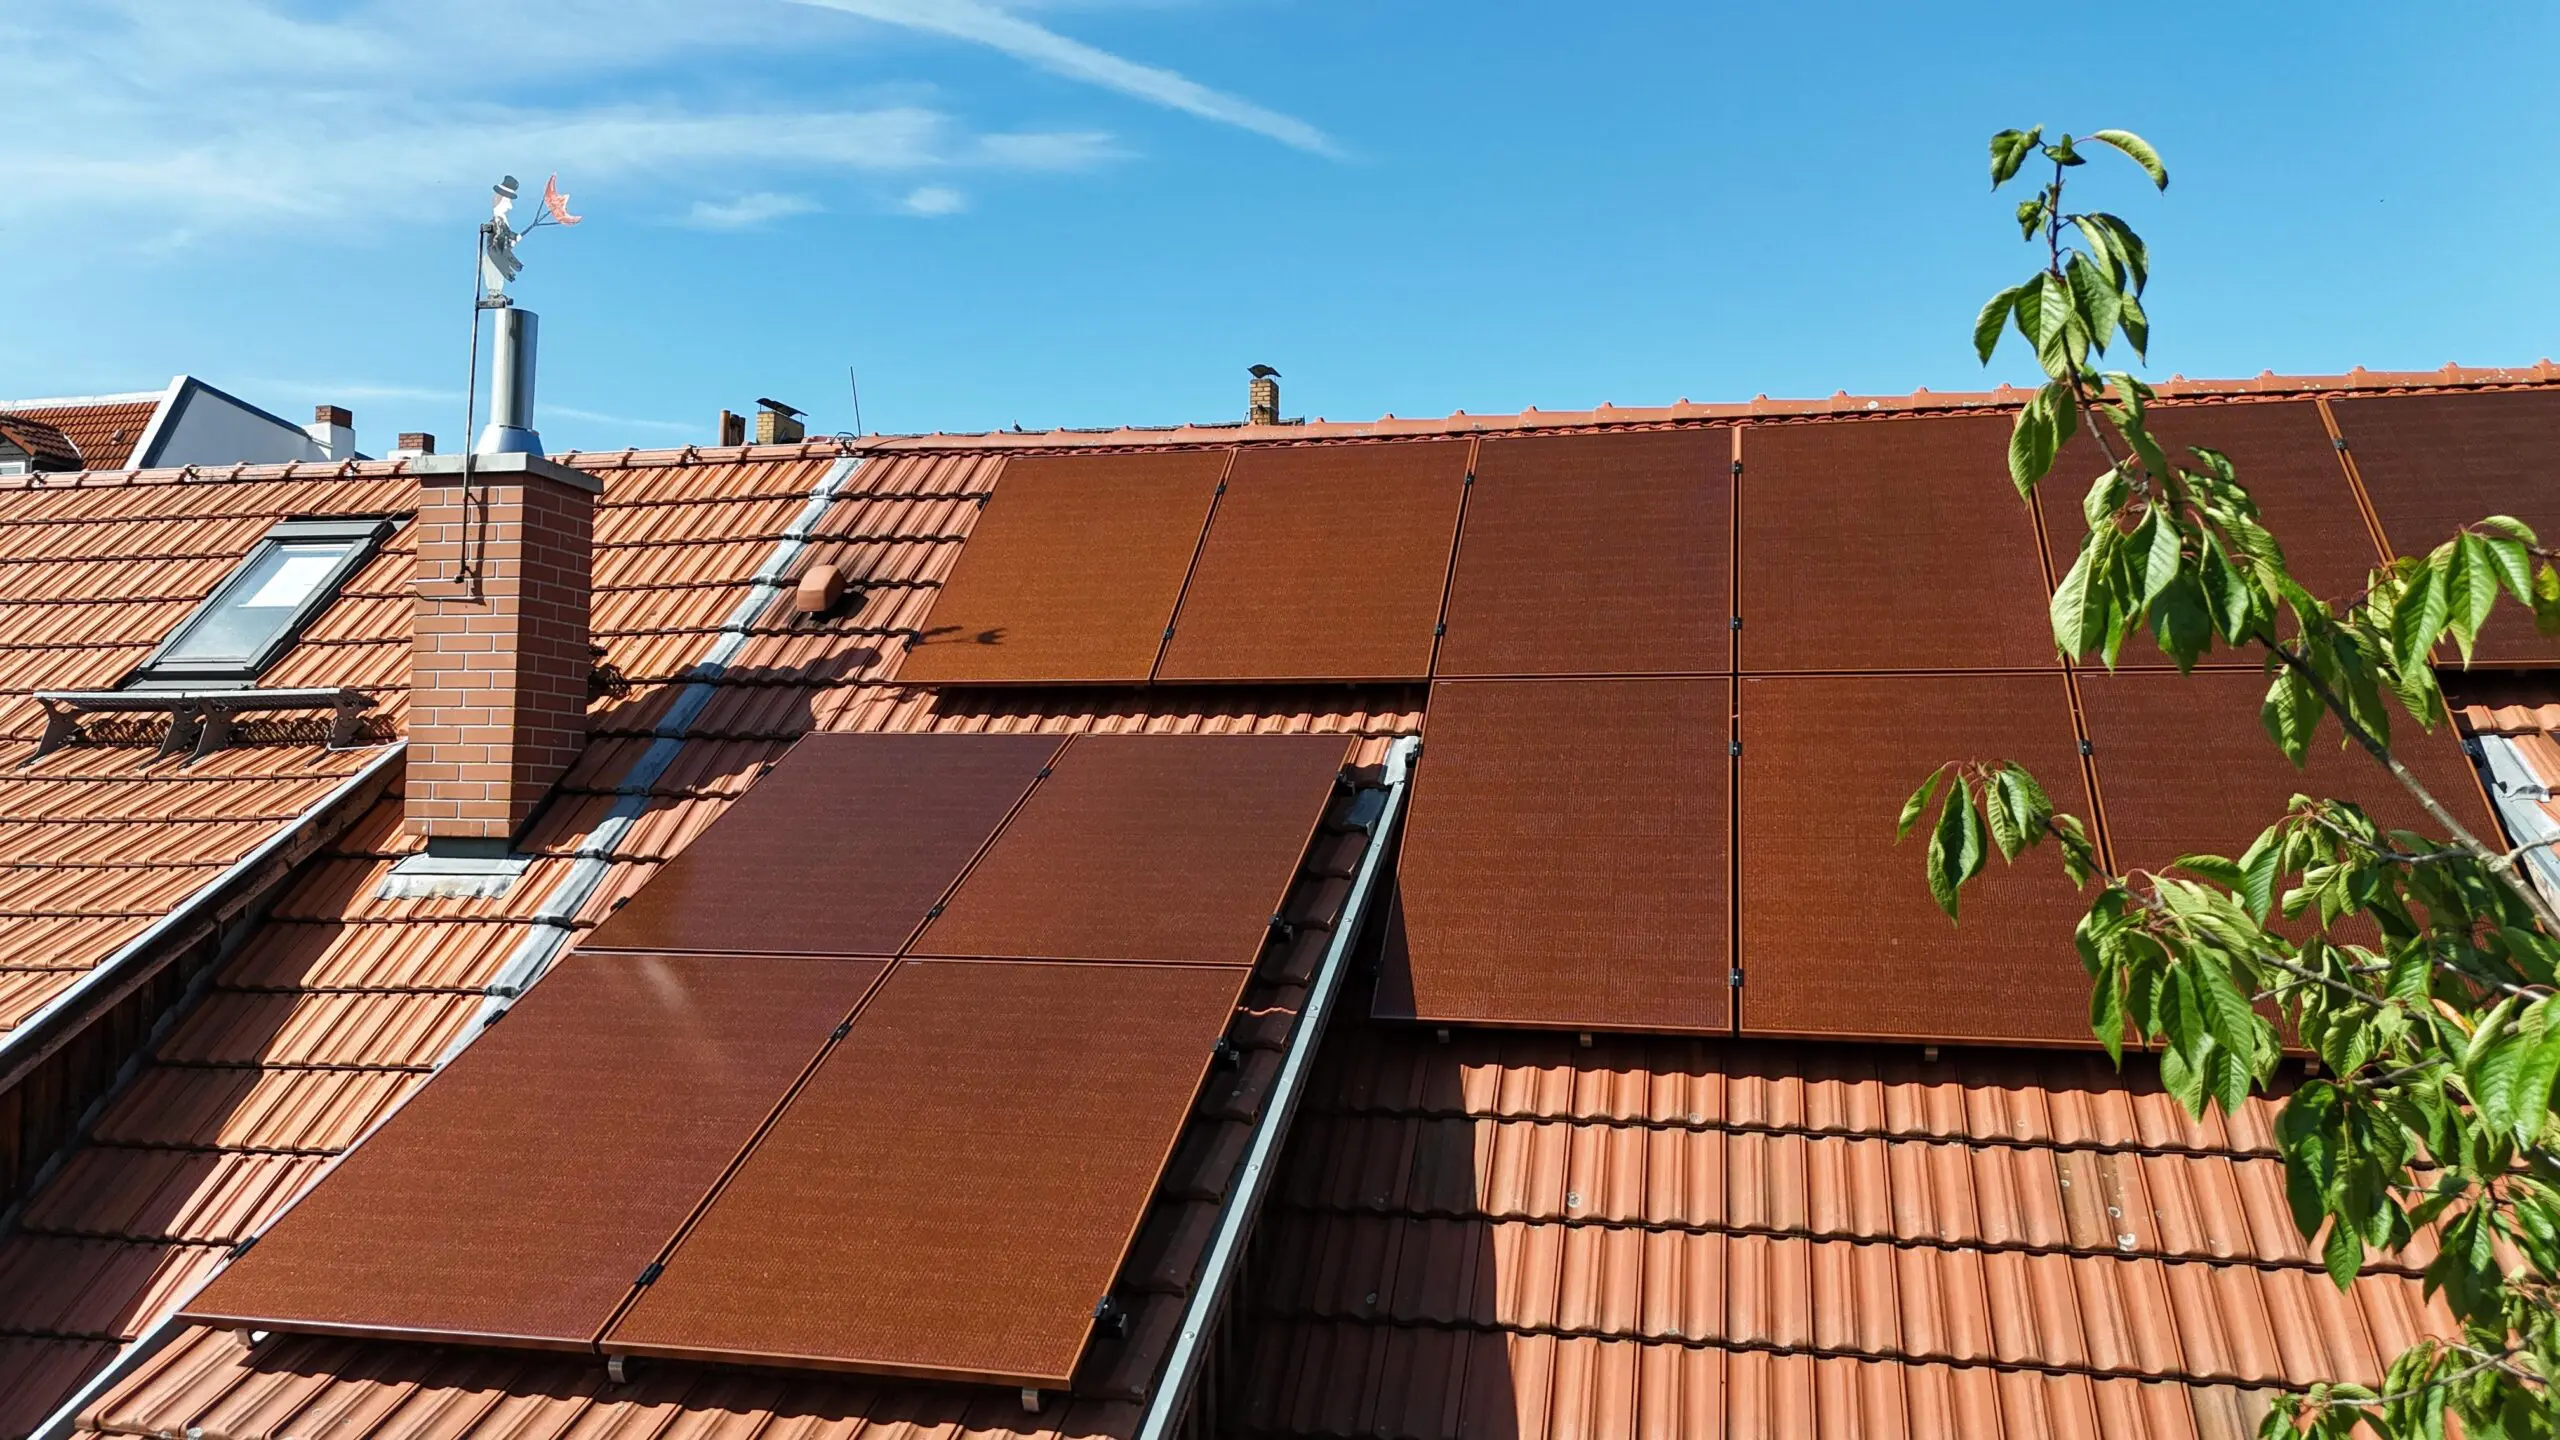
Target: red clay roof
41, 441
1648, 1234
103, 429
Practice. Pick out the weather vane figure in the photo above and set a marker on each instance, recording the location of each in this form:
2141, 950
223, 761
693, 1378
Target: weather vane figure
498, 262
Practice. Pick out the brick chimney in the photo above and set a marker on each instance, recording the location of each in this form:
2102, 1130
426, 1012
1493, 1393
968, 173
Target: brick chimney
777, 423
333, 429
1262, 397
499, 661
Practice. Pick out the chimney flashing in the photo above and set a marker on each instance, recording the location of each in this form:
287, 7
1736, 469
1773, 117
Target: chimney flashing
439, 468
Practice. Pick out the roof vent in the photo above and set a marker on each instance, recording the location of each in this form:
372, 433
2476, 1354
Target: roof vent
778, 424
1262, 397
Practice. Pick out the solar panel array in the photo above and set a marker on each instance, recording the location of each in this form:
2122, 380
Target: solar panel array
1591, 850
1072, 571
2430, 463
806, 1156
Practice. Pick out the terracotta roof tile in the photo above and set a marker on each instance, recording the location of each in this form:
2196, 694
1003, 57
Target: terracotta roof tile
104, 433
1560, 1232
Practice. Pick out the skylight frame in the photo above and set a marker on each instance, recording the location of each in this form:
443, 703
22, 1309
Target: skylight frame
163, 670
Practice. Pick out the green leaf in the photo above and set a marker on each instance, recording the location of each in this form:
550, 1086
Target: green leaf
2291, 713
2473, 585
1945, 845
1971, 853
2009, 150
2181, 622
2420, 616
2124, 244
2513, 560
2093, 295
2259, 867
2056, 322
2138, 150
2538, 1073
2158, 540
2008, 828
2546, 599
2037, 436
2136, 322
1994, 316
2076, 851
1918, 802
2342, 1255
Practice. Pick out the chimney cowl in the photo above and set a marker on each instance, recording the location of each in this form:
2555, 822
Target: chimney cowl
511, 373
779, 424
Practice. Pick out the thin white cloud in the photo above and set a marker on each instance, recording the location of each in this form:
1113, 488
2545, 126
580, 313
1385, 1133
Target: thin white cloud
163, 124
983, 24
748, 211
594, 417
934, 201
345, 390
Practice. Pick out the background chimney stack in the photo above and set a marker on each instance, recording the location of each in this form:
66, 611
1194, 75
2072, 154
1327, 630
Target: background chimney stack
414, 443
1262, 397
777, 423
333, 428
733, 428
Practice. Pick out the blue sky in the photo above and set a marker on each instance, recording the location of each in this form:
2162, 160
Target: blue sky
1085, 214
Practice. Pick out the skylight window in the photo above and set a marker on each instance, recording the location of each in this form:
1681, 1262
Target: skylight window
254, 615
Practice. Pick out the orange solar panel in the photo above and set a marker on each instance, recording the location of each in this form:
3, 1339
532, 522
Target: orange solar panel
2183, 767
2291, 468
1071, 572
1323, 562
1875, 545
954, 1189
1566, 860
1596, 554
839, 851
1147, 847
516, 1198
1839, 936
2431, 463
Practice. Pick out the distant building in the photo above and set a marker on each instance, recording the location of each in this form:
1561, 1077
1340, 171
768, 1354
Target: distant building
188, 423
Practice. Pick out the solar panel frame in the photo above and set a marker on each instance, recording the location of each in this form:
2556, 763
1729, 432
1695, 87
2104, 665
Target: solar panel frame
1151, 848
1871, 546
2289, 463
1566, 860
1323, 563
1594, 554
998, 1129
1839, 936
2183, 767
476, 1214
2431, 462
1072, 571
744, 885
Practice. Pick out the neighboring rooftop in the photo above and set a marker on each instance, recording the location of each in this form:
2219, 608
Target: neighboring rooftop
187, 423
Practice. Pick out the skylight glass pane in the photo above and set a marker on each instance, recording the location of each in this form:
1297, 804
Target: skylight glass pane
258, 605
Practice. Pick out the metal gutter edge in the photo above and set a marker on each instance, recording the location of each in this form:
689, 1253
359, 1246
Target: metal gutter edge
52, 1026
1244, 1201
2519, 793
551, 920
